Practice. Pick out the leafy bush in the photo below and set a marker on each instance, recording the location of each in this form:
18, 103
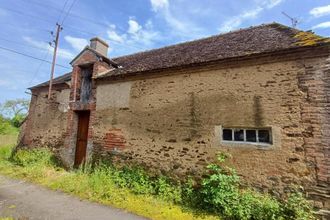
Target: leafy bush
254, 205
165, 189
297, 207
217, 193
34, 157
6, 127
133, 178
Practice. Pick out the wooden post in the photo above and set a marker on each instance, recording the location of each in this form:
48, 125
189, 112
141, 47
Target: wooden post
59, 28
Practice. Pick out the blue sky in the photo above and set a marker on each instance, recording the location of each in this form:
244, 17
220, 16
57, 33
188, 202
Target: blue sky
128, 26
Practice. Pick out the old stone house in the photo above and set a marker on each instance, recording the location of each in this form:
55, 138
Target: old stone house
261, 94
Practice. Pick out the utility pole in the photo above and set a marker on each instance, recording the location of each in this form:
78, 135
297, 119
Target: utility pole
58, 29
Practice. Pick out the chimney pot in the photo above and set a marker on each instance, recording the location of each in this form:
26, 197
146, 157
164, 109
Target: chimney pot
99, 45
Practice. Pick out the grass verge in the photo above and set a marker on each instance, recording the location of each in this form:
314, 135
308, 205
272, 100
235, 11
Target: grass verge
132, 188
92, 186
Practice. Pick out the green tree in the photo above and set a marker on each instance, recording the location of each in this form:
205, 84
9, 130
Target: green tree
5, 126
16, 110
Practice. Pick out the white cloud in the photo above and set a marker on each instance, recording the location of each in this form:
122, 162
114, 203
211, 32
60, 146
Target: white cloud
66, 54
141, 35
236, 21
133, 26
272, 3
159, 4
77, 43
181, 27
137, 37
62, 53
320, 11
322, 25
112, 35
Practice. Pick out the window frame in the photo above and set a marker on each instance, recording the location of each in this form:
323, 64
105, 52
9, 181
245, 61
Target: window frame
257, 142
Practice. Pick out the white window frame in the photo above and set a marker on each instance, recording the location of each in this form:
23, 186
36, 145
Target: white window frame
244, 133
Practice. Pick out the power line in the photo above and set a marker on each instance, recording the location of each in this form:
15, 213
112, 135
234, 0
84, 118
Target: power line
59, 18
75, 15
12, 25
23, 45
29, 15
71, 27
36, 58
67, 13
38, 68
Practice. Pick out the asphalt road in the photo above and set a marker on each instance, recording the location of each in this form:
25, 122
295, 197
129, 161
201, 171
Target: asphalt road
26, 201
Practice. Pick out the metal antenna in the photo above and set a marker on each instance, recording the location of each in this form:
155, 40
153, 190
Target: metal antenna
294, 21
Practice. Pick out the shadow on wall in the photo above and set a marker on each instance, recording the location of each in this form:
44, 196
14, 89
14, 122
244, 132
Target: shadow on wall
258, 112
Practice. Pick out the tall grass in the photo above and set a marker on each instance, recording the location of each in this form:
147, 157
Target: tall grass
101, 185
217, 196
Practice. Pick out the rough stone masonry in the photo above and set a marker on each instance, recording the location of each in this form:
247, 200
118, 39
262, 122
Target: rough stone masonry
261, 94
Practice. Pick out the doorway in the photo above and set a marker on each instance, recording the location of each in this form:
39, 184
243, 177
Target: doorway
82, 137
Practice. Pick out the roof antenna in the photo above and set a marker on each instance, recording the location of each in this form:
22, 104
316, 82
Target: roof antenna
294, 21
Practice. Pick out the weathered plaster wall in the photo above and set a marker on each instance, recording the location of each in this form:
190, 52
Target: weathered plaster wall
170, 121
116, 95
46, 123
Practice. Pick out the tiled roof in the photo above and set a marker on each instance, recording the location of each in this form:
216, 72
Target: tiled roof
58, 80
254, 40
250, 41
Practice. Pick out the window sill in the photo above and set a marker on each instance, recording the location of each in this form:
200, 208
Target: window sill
240, 144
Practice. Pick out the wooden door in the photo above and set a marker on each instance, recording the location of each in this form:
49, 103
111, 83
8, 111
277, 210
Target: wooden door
82, 137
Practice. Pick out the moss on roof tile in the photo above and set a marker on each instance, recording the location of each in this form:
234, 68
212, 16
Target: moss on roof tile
305, 38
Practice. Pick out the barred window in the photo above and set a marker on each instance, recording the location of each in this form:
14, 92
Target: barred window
247, 135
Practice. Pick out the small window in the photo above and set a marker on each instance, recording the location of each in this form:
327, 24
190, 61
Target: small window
227, 134
238, 134
263, 136
250, 135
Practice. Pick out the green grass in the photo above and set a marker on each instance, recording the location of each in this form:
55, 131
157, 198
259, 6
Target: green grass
8, 139
95, 186
157, 197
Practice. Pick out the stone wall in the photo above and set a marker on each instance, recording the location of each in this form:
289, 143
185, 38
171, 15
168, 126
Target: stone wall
170, 122
46, 123
315, 114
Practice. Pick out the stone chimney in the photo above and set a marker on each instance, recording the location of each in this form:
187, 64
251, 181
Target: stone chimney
99, 45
